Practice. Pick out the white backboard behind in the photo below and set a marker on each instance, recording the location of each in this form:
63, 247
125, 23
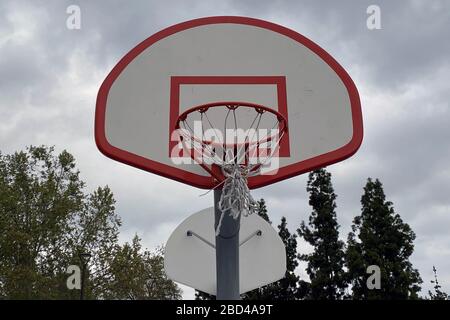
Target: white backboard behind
190, 261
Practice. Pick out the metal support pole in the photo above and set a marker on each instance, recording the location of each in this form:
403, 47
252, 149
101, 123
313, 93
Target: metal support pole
227, 253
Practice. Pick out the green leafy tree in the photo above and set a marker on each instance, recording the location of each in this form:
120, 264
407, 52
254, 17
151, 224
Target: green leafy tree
138, 274
40, 196
438, 294
262, 210
46, 220
380, 237
95, 230
326, 263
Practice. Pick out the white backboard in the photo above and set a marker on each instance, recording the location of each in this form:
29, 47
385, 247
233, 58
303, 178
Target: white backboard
190, 261
228, 58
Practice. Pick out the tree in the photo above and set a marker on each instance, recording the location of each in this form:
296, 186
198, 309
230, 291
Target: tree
40, 195
286, 288
138, 274
325, 264
262, 210
380, 237
95, 230
46, 220
438, 293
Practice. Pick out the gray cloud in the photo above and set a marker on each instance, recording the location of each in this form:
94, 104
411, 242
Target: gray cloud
50, 78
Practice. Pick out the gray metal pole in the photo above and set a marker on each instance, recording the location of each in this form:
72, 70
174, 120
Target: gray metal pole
227, 253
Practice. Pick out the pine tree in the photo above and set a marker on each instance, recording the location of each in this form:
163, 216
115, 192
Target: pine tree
325, 264
380, 237
262, 210
438, 293
286, 288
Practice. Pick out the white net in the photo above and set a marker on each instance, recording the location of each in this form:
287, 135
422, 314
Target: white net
236, 197
239, 153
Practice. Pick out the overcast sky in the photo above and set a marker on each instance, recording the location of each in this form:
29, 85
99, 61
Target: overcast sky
50, 75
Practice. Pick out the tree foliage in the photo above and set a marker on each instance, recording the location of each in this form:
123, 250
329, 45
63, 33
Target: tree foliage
438, 294
46, 220
138, 274
380, 237
325, 264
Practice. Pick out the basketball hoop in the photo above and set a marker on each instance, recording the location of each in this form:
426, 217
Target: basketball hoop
236, 153
142, 119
